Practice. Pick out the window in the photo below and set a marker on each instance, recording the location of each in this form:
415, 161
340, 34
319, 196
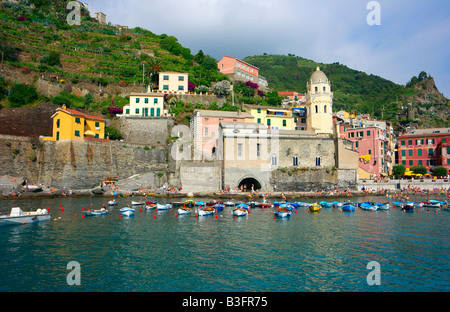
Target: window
136, 111
370, 152
145, 112
295, 161
448, 161
403, 142
324, 108
180, 88
166, 77
274, 160
180, 78
155, 101
404, 162
357, 144
58, 123
268, 122
361, 134
284, 122
411, 163
420, 163
57, 136
318, 161
97, 124
77, 133
127, 111
368, 132
158, 112
97, 136
448, 150
165, 87
77, 120
419, 152
324, 89
259, 110
206, 131
317, 109
152, 112
137, 100
146, 100
258, 149
315, 89
410, 152
239, 149
259, 120
409, 142
303, 120
419, 142
430, 152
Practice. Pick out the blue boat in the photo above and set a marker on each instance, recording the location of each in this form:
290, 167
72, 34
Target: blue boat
325, 204
380, 206
218, 206
337, 204
367, 206
200, 203
278, 204
348, 207
244, 206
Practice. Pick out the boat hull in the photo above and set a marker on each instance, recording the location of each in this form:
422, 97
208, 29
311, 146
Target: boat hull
184, 211
240, 212
24, 219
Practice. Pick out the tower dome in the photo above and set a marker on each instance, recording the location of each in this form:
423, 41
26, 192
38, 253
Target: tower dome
318, 76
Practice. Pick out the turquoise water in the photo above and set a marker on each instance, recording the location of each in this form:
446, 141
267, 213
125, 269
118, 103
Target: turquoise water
319, 252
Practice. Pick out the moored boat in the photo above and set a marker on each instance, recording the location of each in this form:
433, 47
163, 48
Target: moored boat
189, 203
282, 212
127, 211
218, 206
112, 202
325, 204
184, 210
314, 207
431, 204
200, 203
205, 211
348, 207
163, 207
229, 203
336, 204
264, 205
240, 212
177, 204
151, 203
137, 203
17, 216
367, 206
94, 213
253, 204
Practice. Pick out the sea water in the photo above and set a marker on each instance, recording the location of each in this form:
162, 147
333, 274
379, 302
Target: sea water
157, 251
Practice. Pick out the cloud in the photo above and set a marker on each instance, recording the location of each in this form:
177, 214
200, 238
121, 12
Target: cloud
413, 36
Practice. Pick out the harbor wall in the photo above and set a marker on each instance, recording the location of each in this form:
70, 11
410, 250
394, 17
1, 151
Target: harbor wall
78, 164
399, 184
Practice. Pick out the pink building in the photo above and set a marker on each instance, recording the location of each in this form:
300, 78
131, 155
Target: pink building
373, 146
292, 96
205, 129
239, 70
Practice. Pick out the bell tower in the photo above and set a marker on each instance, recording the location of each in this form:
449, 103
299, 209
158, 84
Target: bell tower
319, 104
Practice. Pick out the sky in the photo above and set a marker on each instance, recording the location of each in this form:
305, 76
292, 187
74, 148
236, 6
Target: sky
408, 36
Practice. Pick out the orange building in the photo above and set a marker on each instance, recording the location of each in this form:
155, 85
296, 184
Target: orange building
239, 70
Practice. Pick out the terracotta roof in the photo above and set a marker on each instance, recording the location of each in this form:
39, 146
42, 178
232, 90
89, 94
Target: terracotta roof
77, 113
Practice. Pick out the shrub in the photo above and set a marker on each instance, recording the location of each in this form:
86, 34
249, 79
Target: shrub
22, 94
25, 70
51, 59
439, 171
398, 170
122, 83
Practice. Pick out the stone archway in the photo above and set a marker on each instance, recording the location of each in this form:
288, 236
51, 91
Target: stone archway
247, 184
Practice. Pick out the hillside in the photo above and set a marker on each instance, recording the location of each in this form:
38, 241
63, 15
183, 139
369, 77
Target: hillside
359, 92
37, 44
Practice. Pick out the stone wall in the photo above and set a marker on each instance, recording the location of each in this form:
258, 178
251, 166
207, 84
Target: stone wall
78, 164
310, 179
152, 131
200, 176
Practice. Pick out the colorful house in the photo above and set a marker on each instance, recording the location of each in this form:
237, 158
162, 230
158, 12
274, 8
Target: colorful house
272, 117
173, 82
425, 147
239, 70
145, 105
69, 124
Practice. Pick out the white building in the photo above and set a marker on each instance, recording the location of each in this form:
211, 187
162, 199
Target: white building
173, 82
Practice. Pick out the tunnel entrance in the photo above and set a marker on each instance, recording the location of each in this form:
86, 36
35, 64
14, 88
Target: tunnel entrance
248, 183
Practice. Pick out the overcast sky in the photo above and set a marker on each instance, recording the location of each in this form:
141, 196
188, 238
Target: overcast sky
413, 35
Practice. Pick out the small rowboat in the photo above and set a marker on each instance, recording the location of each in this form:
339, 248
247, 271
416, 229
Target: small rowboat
17, 216
253, 204
163, 207
189, 203
137, 203
94, 213
348, 207
229, 204
184, 210
218, 206
126, 211
408, 207
367, 206
431, 204
151, 203
325, 204
206, 211
213, 202
177, 204
314, 207
264, 205
239, 212
282, 212
337, 204
112, 202
200, 203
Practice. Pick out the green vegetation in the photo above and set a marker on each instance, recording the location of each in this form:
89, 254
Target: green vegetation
398, 170
439, 171
22, 94
419, 170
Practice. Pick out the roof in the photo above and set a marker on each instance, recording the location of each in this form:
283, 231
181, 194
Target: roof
318, 76
430, 131
267, 107
241, 61
149, 94
222, 114
173, 72
77, 113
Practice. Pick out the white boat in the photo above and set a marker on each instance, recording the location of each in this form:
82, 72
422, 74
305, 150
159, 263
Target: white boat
282, 212
163, 207
112, 202
137, 203
17, 216
240, 212
206, 211
184, 210
94, 213
229, 204
126, 211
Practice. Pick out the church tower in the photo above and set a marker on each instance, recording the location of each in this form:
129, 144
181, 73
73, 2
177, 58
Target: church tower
319, 104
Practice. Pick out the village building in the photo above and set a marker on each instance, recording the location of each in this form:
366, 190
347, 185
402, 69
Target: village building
238, 70
147, 104
69, 124
272, 116
173, 82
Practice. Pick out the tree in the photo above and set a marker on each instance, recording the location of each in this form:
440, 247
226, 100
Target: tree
222, 87
52, 59
398, 170
439, 171
22, 94
419, 170
422, 76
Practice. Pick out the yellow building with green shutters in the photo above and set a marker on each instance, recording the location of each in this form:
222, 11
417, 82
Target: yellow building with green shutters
69, 124
272, 117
